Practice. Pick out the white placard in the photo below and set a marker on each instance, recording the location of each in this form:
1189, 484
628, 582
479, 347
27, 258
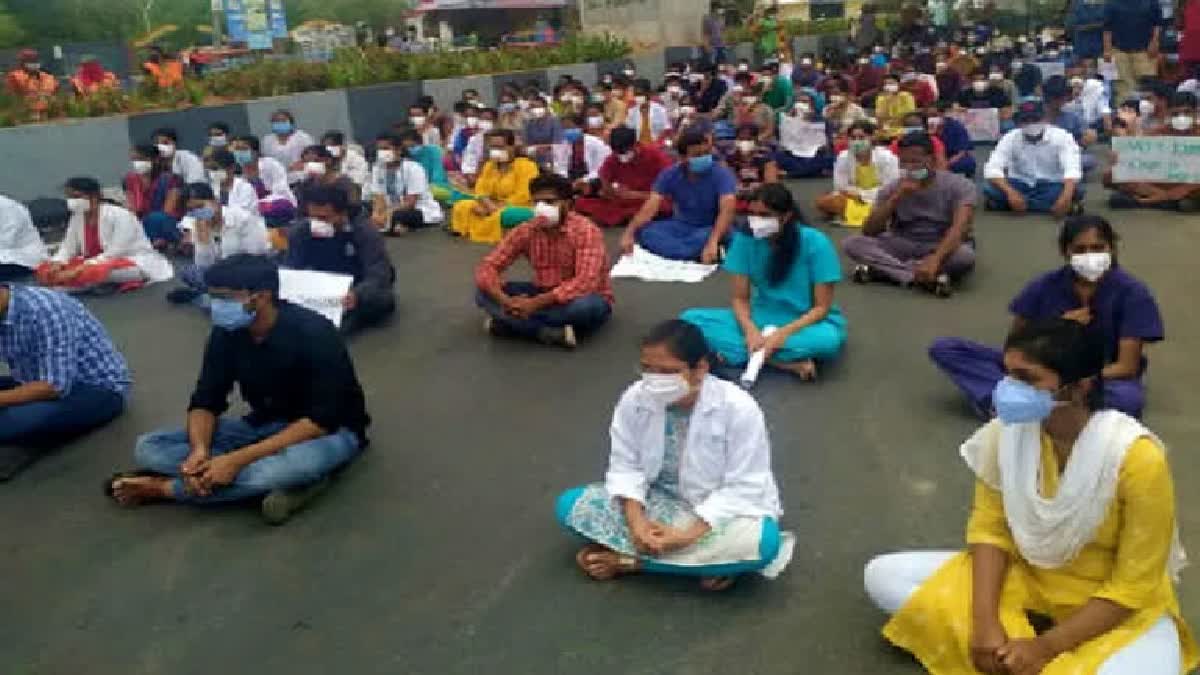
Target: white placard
800, 137
983, 124
1051, 68
1108, 70
321, 292
644, 265
1157, 159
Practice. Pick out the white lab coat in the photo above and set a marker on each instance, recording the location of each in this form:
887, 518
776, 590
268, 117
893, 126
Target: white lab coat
121, 236
725, 471
410, 181
20, 242
660, 120
188, 166
241, 231
887, 169
275, 178
595, 151
355, 167
241, 194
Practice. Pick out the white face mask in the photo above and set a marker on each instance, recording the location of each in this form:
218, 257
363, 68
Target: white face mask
218, 176
321, 228
314, 168
746, 146
749, 100
141, 166
218, 141
933, 123
803, 108
891, 88
498, 155
737, 88
595, 122
335, 150
385, 156
1033, 131
626, 157
665, 389
166, 149
762, 226
1182, 122
537, 112
674, 91
996, 77
686, 110
837, 99
1091, 266
486, 125
980, 86
472, 122
941, 66
639, 100
547, 212
78, 205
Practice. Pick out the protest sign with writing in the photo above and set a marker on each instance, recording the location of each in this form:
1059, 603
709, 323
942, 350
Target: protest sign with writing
983, 124
801, 138
321, 292
1157, 159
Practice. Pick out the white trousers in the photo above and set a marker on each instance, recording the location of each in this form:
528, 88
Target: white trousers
891, 579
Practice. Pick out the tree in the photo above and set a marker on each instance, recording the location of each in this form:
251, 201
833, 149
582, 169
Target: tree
374, 12
11, 33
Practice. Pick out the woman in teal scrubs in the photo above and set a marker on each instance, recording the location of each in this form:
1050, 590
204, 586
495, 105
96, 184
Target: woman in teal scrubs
783, 277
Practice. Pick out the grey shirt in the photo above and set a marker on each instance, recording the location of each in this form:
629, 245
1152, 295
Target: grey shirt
926, 216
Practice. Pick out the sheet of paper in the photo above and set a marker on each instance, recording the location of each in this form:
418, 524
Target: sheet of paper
983, 124
801, 138
644, 265
321, 292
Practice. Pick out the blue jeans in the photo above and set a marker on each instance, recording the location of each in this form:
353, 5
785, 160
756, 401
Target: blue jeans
584, 314
46, 422
301, 464
1039, 198
674, 239
160, 226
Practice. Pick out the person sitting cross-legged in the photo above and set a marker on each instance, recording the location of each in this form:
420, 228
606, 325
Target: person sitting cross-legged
571, 292
65, 375
704, 194
1183, 197
307, 410
1035, 168
626, 179
215, 232
399, 190
920, 228
689, 489
501, 198
784, 275
331, 240
859, 172
21, 245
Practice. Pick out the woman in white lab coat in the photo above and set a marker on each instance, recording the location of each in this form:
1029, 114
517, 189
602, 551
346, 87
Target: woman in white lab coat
105, 245
689, 489
21, 247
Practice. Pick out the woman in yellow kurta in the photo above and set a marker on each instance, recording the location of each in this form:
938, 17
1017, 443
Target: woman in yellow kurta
501, 192
1074, 520
891, 105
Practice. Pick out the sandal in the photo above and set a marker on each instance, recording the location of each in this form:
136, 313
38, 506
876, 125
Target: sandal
717, 584
625, 564
109, 484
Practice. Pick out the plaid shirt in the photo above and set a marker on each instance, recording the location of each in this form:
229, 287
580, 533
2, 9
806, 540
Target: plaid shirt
47, 336
570, 263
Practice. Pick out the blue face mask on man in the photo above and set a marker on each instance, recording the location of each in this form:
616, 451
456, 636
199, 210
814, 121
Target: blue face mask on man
203, 213
229, 314
702, 164
572, 135
243, 157
281, 127
1019, 403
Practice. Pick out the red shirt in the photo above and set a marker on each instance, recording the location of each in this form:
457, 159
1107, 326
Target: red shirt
570, 263
1189, 48
638, 175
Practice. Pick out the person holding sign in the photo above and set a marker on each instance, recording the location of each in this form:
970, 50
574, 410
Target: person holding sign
571, 293
1073, 520
859, 172
919, 231
1034, 168
1091, 289
784, 275
307, 416
803, 141
1184, 197
330, 241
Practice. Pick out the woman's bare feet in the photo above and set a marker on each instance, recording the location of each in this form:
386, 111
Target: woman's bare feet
806, 370
604, 564
137, 490
717, 584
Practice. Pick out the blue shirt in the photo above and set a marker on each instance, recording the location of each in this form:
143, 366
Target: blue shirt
1071, 122
1123, 308
696, 196
816, 263
955, 137
48, 336
1132, 23
1088, 43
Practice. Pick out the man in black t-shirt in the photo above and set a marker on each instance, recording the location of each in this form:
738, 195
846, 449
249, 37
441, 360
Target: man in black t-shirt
307, 410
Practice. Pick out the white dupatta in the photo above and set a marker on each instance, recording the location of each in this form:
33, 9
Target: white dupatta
1050, 533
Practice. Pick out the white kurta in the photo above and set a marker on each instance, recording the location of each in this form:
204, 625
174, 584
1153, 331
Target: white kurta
121, 236
241, 231
20, 242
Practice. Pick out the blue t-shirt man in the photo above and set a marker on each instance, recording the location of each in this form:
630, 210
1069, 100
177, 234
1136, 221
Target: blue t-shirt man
696, 196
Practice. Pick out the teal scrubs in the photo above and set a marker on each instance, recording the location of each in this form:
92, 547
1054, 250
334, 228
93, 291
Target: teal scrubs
816, 263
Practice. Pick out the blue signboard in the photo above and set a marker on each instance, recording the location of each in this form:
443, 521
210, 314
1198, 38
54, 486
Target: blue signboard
255, 22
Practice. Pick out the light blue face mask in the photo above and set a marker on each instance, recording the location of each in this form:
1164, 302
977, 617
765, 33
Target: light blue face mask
243, 157
572, 135
1019, 403
281, 127
202, 213
702, 164
230, 315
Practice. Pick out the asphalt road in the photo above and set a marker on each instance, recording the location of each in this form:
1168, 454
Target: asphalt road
438, 553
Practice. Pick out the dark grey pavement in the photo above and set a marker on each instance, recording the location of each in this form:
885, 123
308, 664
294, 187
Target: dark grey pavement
438, 553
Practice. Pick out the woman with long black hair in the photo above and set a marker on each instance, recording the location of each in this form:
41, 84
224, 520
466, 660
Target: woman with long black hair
783, 278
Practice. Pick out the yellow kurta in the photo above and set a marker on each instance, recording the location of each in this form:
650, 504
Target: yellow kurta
510, 187
890, 110
1126, 563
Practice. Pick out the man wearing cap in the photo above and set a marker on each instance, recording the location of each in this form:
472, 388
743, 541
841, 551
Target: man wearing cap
30, 82
1035, 168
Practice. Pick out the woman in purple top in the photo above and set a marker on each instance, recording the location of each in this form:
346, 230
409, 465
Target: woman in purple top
1091, 289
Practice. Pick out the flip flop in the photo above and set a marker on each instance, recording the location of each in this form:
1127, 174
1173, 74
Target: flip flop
625, 564
121, 475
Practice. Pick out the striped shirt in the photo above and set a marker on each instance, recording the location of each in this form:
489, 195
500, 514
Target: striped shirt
48, 336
